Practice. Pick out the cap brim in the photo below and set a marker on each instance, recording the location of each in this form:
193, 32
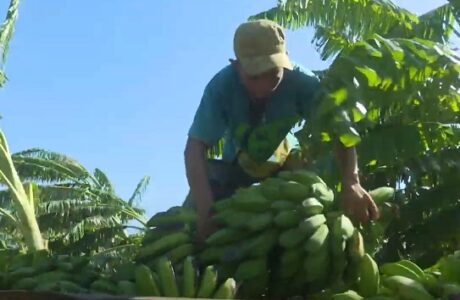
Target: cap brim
260, 64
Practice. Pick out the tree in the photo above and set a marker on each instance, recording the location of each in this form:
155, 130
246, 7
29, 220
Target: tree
77, 211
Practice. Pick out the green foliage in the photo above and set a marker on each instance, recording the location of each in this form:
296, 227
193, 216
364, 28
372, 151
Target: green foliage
6, 33
393, 92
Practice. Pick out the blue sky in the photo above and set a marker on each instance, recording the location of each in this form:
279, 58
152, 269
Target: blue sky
115, 84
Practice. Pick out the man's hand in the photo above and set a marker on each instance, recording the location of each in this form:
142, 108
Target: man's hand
197, 175
358, 204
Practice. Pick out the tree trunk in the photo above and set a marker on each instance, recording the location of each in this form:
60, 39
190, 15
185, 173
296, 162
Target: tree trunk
26, 212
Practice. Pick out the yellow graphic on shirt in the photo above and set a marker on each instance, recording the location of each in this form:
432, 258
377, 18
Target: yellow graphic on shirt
267, 148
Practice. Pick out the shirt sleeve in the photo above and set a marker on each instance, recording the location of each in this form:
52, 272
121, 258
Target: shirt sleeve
210, 121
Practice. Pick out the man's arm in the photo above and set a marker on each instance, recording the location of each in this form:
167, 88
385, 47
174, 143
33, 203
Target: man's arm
356, 202
197, 176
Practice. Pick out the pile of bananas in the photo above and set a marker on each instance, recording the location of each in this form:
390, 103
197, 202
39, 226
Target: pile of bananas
284, 237
405, 280
189, 283
41, 271
170, 234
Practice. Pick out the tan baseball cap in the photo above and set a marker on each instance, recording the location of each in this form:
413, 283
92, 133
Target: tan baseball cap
260, 46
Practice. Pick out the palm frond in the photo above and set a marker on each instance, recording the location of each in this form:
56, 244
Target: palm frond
437, 25
77, 208
46, 166
455, 9
64, 191
103, 181
352, 20
8, 216
5, 198
93, 241
78, 231
329, 43
6, 33
141, 187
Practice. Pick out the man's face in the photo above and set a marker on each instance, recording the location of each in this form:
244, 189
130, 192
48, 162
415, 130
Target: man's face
263, 85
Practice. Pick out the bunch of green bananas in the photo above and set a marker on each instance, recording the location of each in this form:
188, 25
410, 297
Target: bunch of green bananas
170, 234
406, 280
166, 282
41, 271
281, 238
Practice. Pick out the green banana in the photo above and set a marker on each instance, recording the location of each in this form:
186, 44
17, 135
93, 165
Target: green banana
270, 188
291, 237
208, 283
289, 262
316, 241
234, 218
294, 191
413, 267
251, 268
382, 194
223, 204
126, 287
324, 194
155, 234
211, 255
189, 278
391, 269
163, 244
173, 216
262, 244
227, 290
145, 284
407, 288
355, 246
259, 222
288, 218
27, 283
291, 256
304, 177
167, 278
348, 295
311, 224
343, 227
317, 266
311, 206
250, 199
101, 285
368, 284
178, 254
226, 236
281, 205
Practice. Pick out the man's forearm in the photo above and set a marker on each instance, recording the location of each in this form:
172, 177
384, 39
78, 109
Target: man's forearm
197, 176
348, 163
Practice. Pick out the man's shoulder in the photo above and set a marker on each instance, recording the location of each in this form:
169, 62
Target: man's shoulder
304, 76
223, 80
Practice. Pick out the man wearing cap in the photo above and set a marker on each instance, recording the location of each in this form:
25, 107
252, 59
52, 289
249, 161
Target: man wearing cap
260, 94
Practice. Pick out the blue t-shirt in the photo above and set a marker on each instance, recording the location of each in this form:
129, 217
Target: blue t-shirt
224, 107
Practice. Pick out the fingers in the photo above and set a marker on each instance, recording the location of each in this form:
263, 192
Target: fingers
362, 214
374, 212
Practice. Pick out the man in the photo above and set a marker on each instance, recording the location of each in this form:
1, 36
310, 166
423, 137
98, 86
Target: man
259, 89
